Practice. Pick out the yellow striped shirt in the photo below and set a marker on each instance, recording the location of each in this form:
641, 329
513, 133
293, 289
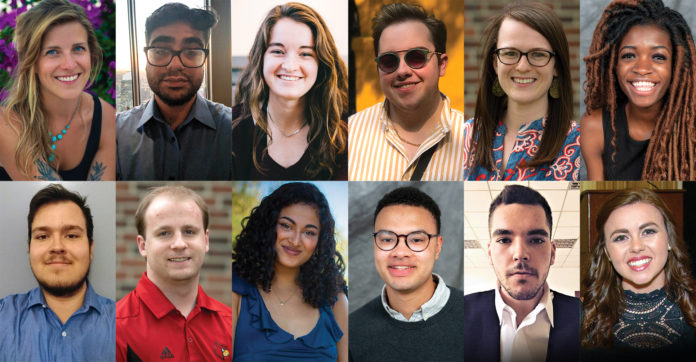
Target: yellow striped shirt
375, 152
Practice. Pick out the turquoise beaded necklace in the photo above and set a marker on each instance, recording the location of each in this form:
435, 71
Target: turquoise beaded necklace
60, 134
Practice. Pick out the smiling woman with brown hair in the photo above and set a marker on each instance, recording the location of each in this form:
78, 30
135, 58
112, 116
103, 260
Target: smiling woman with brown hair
641, 95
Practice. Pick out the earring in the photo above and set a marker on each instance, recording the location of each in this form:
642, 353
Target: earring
555, 91
497, 89
669, 248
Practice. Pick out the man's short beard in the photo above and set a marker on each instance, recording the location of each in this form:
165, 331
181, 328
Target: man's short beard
61, 290
523, 296
175, 101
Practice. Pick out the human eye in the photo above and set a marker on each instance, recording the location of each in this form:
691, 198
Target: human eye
660, 57
386, 237
619, 238
538, 54
51, 52
627, 56
309, 54
537, 241
39, 236
163, 233
161, 51
283, 225
509, 53
311, 233
503, 241
649, 231
80, 48
73, 235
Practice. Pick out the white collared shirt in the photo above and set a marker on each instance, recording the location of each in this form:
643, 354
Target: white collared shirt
428, 309
527, 342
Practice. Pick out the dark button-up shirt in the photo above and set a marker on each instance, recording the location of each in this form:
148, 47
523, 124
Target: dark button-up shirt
31, 331
198, 149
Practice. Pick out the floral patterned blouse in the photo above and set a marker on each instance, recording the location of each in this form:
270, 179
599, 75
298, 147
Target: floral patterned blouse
566, 166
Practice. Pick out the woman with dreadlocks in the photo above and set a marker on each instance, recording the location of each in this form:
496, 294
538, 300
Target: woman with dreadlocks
640, 95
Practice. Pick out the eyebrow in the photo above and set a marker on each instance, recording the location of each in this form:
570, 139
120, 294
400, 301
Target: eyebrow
169, 39
540, 232
283, 45
642, 226
294, 223
64, 228
82, 43
653, 48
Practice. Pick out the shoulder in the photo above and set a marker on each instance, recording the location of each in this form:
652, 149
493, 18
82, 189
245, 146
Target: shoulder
219, 307
220, 112
367, 311
367, 115
129, 119
241, 286
560, 299
592, 125
341, 303
128, 306
485, 296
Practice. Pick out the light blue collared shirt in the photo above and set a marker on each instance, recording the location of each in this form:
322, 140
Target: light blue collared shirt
31, 331
428, 309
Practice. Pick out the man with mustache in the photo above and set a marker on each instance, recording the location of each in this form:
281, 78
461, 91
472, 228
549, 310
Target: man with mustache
168, 315
63, 319
522, 319
178, 134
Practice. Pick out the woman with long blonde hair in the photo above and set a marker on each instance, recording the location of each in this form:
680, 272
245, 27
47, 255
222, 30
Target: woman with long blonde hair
50, 129
289, 119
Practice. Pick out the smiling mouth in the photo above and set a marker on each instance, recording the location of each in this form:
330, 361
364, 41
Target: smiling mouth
291, 251
401, 267
289, 77
523, 80
178, 260
643, 86
405, 85
638, 264
68, 78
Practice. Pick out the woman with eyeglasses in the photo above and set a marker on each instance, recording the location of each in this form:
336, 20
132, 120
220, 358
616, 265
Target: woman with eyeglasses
50, 128
522, 127
288, 286
291, 99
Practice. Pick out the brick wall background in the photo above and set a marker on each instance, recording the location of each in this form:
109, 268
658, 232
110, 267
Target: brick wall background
216, 275
477, 14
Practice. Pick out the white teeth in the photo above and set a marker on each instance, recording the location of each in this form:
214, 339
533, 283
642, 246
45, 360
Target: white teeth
68, 78
523, 80
288, 77
643, 86
640, 262
405, 85
401, 267
178, 259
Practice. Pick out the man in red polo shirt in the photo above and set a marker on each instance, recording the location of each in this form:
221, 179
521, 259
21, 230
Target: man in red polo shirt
168, 316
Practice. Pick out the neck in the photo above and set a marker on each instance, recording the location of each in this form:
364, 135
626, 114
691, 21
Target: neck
645, 115
521, 307
408, 302
285, 277
288, 114
58, 110
518, 114
421, 119
182, 293
65, 306
174, 115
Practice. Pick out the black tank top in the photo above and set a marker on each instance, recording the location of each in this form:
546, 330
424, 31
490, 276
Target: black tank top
80, 172
630, 154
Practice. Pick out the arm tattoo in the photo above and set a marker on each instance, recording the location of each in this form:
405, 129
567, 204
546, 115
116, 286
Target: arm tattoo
45, 171
97, 172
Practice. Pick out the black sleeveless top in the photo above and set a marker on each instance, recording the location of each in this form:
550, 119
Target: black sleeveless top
80, 172
630, 154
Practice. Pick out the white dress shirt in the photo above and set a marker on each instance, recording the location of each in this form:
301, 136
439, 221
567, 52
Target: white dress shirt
527, 342
428, 309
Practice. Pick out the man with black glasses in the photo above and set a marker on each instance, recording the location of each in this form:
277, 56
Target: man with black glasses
413, 134
178, 134
416, 310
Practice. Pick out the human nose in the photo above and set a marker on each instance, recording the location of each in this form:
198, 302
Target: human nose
57, 245
290, 62
637, 245
176, 62
642, 66
179, 242
519, 250
401, 249
68, 61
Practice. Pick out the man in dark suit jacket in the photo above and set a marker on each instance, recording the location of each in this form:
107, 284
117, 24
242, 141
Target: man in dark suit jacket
522, 319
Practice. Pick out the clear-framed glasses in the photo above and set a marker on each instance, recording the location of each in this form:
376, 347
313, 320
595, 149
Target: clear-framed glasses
388, 240
190, 58
535, 57
415, 58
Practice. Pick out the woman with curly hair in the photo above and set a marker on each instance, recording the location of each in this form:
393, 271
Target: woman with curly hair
290, 102
288, 284
638, 284
523, 126
640, 95
50, 129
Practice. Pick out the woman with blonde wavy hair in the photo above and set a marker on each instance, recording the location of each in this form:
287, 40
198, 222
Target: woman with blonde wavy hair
50, 129
291, 99
639, 284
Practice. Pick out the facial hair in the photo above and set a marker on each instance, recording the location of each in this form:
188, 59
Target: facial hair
524, 294
154, 81
62, 289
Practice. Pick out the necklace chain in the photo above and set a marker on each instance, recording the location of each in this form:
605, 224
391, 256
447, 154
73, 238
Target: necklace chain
288, 135
61, 133
282, 302
406, 141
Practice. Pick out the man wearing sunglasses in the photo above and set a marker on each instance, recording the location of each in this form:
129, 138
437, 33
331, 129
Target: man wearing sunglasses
522, 319
413, 134
178, 134
416, 310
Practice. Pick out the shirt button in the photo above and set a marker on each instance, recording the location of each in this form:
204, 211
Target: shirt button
64, 334
190, 339
43, 305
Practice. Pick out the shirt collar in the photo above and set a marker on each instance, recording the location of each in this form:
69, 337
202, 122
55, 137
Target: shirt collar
158, 303
428, 309
36, 297
199, 112
545, 304
445, 115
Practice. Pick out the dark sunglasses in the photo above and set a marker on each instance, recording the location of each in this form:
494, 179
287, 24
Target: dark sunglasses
415, 58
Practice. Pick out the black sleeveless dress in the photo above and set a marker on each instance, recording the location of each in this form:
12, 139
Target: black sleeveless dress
80, 172
630, 154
